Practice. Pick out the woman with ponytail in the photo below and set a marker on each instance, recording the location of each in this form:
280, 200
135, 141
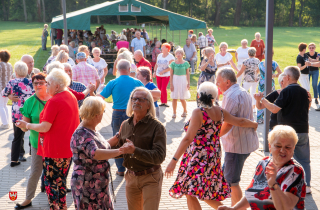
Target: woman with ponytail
200, 175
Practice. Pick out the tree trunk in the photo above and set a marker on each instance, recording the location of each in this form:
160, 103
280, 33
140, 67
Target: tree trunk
25, 11
300, 13
291, 16
44, 12
118, 19
217, 18
206, 12
4, 10
191, 6
237, 14
177, 6
39, 10
255, 17
164, 4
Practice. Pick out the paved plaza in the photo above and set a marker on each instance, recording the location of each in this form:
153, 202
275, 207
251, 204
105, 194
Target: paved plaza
15, 179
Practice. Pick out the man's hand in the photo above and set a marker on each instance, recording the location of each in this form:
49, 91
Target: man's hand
309, 96
308, 63
13, 98
258, 96
127, 148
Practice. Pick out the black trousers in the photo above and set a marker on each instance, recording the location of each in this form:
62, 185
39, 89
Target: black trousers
17, 147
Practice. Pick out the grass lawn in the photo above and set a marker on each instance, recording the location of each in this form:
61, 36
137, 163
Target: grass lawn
25, 38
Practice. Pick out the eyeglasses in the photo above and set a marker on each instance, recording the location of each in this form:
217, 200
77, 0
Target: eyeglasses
141, 100
39, 83
311, 48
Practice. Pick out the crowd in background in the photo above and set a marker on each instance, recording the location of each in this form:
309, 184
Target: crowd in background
62, 106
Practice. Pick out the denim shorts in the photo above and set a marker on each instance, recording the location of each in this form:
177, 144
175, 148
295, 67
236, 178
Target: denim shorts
232, 167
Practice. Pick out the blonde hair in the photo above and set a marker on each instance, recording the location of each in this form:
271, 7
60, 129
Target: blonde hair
205, 51
45, 25
96, 48
62, 55
55, 50
83, 48
244, 40
282, 131
67, 65
60, 77
21, 69
91, 107
179, 50
151, 110
54, 64
64, 47
210, 29
127, 55
252, 51
123, 38
223, 44
257, 33
121, 50
312, 44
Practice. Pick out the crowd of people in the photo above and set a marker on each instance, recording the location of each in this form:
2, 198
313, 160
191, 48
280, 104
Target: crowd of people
63, 105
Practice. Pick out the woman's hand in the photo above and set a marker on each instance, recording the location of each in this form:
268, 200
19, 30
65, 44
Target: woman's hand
127, 148
13, 98
21, 124
171, 88
154, 75
271, 174
211, 57
160, 72
170, 168
188, 86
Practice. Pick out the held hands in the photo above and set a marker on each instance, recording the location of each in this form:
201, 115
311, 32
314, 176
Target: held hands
91, 88
21, 124
258, 96
308, 63
127, 148
170, 168
271, 173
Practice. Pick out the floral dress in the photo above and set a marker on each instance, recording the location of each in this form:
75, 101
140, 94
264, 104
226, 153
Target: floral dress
262, 68
200, 173
290, 179
209, 74
90, 177
21, 87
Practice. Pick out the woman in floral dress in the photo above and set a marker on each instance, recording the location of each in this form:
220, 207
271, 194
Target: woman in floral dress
200, 174
91, 171
262, 69
21, 87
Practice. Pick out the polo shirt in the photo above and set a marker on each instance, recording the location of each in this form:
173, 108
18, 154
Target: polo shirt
189, 50
294, 103
120, 89
144, 62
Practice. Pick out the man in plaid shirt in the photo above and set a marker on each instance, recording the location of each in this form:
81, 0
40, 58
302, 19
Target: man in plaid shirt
84, 72
203, 43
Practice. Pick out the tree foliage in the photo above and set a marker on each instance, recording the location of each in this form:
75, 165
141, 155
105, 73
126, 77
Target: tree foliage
214, 12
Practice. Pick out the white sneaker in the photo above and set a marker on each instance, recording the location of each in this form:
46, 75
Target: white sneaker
308, 190
4, 126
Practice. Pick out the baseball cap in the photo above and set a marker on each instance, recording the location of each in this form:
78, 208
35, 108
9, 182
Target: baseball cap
81, 55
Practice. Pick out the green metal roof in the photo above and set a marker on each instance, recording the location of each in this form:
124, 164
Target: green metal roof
80, 19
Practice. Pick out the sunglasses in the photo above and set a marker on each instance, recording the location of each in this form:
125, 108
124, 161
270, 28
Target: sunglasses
141, 100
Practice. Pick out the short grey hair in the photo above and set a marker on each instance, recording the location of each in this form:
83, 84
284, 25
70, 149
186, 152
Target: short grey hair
257, 33
280, 78
54, 64
179, 50
55, 50
21, 69
139, 52
244, 40
223, 44
151, 111
96, 48
157, 43
252, 51
293, 71
123, 64
228, 74
64, 47
127, 55
137, 32
59, 77
67, 66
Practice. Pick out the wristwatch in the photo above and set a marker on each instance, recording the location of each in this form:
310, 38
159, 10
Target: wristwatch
275, 186
117, 135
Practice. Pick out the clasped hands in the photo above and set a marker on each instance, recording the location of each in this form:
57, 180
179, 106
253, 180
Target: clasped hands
127, 148
258, 96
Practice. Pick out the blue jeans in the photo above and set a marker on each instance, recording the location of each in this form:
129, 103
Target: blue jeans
59, 42
302, 155
117, 118
314, 75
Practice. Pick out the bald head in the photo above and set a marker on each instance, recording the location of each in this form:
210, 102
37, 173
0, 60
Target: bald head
138, 55
137, 34
28, 59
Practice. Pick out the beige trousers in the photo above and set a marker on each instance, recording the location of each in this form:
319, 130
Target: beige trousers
144, 192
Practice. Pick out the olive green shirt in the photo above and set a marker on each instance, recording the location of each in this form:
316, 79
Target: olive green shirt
149, 137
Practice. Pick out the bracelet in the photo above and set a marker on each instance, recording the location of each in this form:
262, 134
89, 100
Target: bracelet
175, 159
272, 188
27, 126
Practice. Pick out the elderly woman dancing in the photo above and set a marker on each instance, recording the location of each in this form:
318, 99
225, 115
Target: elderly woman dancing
278, 182
200, 175
21, 87
91, 171
58, 121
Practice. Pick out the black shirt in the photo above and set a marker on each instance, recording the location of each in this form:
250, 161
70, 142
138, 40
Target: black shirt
312, 68
302, 61
294, 103
272, 97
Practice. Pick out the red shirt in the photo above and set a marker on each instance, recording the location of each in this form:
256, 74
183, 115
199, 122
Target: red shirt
259, 46
79, 95
144, 62
63, 113
59, 33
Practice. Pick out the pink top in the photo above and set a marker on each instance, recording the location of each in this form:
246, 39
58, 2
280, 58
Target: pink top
121, 44
84, 73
